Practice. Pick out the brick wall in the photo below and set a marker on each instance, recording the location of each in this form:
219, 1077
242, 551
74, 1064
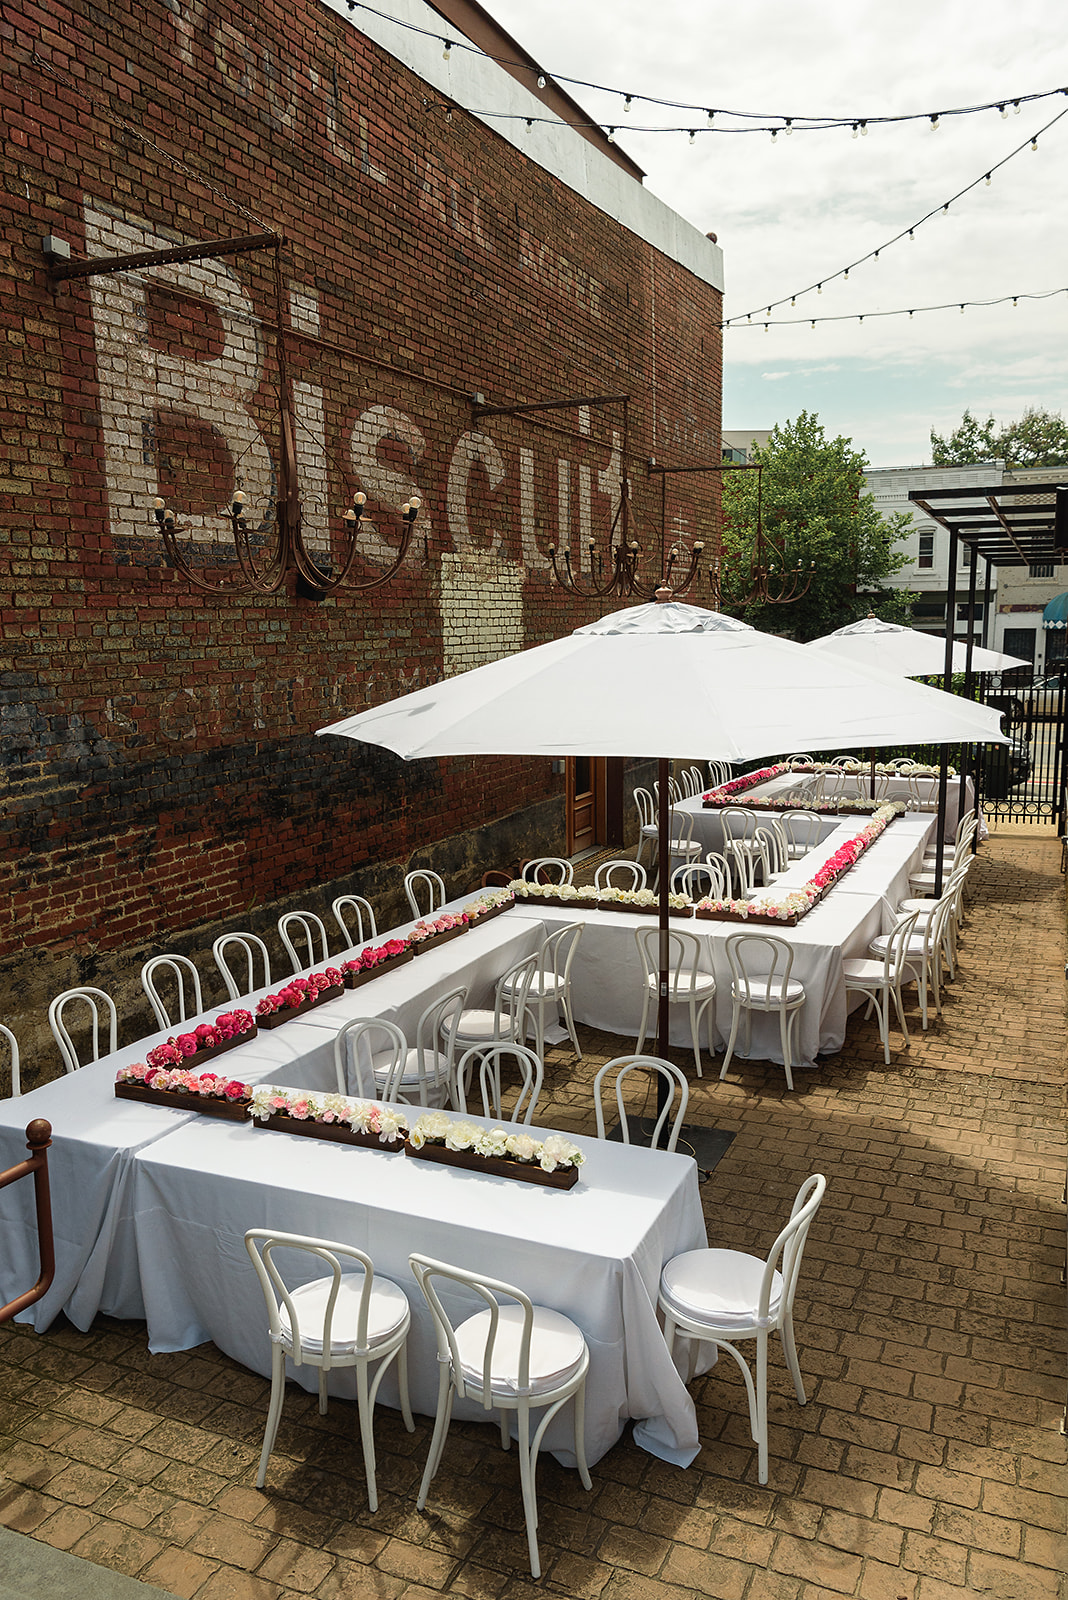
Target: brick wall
162, 778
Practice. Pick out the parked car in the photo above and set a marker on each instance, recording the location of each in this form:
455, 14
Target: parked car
1044, 698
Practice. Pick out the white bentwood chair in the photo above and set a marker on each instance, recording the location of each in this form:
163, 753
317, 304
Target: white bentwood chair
100, 1005
721, 1296
548, 869
425, 883
802, 829
608, 871
550, 987
513, 1357
741, 845
254, 951
879, 981
348, 1319
507, 1022
648, 831
760, 981
180, 972
310, 930
347, 905
488, 1061
664, 1073
13, 1048
687, 985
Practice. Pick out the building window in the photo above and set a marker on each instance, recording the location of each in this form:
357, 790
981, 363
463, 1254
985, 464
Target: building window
929, 610
1040, 569
977, 613
926, 556
967, 556
1019, 642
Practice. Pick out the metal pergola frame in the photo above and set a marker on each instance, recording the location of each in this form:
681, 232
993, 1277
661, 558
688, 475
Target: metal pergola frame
1009, 525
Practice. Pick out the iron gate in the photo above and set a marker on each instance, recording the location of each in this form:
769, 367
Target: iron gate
1025, 782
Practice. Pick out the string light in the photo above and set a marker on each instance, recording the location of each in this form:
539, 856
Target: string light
627, 101
910, 232
808, 123
541, 80
1004, 110
447, 52
693, 135
934, 121
792, 322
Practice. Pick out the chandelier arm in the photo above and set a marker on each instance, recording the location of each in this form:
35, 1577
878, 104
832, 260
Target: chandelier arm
176, 559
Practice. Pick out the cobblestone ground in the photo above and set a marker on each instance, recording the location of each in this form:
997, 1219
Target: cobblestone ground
928, 1464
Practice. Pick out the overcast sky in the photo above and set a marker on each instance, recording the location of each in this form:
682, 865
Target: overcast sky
791, 213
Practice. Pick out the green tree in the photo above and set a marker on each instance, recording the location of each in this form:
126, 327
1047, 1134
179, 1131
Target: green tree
815, 516
1038, 439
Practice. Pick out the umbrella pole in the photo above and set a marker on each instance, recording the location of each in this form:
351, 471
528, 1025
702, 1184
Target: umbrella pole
663, 821
873, 774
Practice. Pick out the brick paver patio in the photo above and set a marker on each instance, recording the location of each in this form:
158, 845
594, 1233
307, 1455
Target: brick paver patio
928, 1465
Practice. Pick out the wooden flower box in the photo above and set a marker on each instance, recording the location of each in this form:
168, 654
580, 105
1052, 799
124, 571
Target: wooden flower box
230, 1110
755, 919
332, 1132
356, 980
487, 916
423, 945
496, 1166
208, 1053
275, 1019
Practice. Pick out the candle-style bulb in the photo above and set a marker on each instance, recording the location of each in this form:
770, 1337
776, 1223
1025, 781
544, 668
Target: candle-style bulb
415, 502
359, 499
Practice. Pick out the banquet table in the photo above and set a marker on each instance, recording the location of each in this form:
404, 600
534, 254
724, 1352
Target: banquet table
594, 1252
96, 1138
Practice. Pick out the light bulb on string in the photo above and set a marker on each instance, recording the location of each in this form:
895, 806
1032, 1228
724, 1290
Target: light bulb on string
541, 80
1034, 142
710, 114
1004, 110
819, 288
774, 135
856, 130
447, 52
692, 135
845, 275
962, 310
1016, 108
987, 180
934, 121
863, 130
789, 126
626, 102
611, 136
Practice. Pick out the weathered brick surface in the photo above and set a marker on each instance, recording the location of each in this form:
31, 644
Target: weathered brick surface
160, 771
879, 1488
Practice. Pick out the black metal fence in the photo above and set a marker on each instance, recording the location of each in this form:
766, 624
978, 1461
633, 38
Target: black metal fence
1025, 782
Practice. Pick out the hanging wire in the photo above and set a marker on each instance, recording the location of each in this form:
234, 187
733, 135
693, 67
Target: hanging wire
794, 122
905, 233
904, 311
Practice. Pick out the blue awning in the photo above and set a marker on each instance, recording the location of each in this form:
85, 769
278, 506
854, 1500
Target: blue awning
1056, 613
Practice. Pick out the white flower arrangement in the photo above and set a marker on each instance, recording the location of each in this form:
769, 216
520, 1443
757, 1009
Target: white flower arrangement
333, 1110
435, 1127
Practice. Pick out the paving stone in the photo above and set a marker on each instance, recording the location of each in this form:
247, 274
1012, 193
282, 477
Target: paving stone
927, 1464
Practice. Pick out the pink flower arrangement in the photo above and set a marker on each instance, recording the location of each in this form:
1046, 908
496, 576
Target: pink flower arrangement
297, 990
205, 1036
445, 923
749, 780
374, 955
177, 1081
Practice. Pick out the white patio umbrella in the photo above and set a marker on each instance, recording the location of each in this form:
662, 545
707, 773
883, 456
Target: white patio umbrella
871, 642
662, 680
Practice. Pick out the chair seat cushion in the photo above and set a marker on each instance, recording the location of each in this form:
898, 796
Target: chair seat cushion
543, 986
764, 992
436, 1068
915, 947
688, 983
476, 1025
924, 907
860, 971
719, 1287
557, 1349
385, 1315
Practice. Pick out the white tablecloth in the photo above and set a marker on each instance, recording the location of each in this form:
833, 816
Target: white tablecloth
594, 1252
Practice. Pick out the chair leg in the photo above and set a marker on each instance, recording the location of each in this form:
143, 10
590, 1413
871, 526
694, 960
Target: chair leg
580, 1436
323, 1402
437, 1441
786, 1024
694, 1035
790, 1352
402, 1385
735, 1018
367, 1436
762, 1406
274, 1410
569, 1020
526, 1479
